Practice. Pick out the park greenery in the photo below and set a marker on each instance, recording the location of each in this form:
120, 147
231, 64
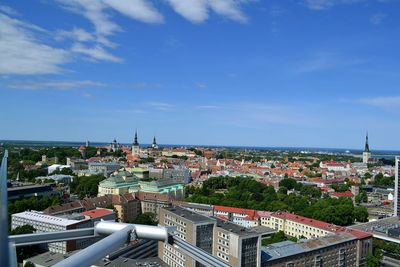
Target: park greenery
19, 158
33, 203
380, 180
302, 200
86, 186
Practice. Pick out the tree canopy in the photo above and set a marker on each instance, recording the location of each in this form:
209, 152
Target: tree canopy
86, 186
248, 193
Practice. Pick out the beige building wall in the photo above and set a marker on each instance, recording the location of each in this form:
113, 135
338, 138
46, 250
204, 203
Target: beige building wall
293, 228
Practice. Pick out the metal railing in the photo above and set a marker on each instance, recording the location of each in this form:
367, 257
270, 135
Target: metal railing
7, 251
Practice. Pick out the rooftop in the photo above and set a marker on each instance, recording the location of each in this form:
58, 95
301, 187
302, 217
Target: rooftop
24, 187
43, 218
321, 225
125, 262
97, 213
379, 227
196, 206
289, 248
240, 230
48, 258
189, 215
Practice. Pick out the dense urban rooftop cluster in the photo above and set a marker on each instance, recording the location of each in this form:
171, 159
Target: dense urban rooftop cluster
257, 195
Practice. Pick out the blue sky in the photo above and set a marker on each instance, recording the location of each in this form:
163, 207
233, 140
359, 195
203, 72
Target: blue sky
316, 73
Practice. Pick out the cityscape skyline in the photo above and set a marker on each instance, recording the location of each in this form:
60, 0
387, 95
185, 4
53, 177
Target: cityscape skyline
148, 143
266, 74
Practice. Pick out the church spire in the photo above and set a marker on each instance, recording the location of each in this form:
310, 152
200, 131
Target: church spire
135, 142
154, 145
366, 149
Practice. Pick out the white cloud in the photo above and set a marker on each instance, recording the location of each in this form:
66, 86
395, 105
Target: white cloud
56, 85
141, 10
193, 10
161, 106
95, 12
326, 4
325, 60
378, 18
95, 53
197, 11
384, 101
208, 107
201, 85
8, 10
228, 8
86, 94
22, 53
76, 34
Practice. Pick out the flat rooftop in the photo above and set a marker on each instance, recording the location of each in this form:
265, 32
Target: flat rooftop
189, 215
379, 227
125, 262
197, 206
25, 187
49, 258
242, 231
40, 217
288, 248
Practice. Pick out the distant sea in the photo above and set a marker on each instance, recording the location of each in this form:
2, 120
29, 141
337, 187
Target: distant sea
338, 151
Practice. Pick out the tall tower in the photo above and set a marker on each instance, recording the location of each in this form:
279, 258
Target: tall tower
366, 153
397, 188
154, 145
135, 146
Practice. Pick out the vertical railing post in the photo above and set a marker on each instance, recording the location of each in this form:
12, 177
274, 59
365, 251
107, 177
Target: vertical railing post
4, 247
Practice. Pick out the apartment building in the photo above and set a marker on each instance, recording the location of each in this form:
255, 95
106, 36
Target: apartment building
234, 244
237, 245
194, 228
152, 202
48, 223
337, 250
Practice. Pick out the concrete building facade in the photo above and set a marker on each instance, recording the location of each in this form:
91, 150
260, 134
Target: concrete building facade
194, 228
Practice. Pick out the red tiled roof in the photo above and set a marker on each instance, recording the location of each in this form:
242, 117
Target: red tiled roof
250, 213
343, 194
97, 213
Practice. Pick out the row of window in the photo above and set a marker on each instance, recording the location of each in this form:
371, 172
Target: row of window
223, 256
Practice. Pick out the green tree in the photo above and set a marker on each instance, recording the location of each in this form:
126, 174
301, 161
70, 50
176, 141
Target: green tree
24, 229
282, 190
289, 183
147, 218
29, 264
86, 186
361, 214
